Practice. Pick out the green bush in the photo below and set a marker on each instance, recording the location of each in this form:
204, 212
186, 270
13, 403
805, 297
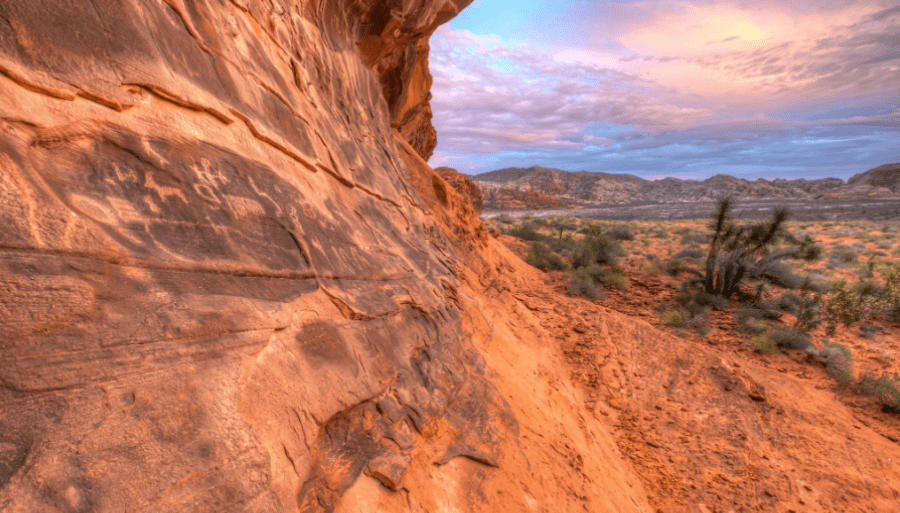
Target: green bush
620, 233
674, 266
788, 302
563, 245
702, 329
842, 307
596, 248
752, 326
711, 300
885, 388
542, 258
582, 282
763, 344
690, 253
748, 312
812, 252
838, 362
672, 318
694, 238
841, 255
616, 280
889, 299
525, 231
696, 310
808, 311
791, 339
650, 268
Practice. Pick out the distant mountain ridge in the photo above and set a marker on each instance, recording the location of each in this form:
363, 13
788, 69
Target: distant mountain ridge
586, 188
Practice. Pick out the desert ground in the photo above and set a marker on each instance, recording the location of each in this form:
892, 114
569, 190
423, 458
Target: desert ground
825, 210
690, 439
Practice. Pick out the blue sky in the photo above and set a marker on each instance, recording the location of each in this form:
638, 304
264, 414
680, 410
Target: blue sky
660, 88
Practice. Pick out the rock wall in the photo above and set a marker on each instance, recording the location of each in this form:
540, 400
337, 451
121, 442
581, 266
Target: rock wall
230, 282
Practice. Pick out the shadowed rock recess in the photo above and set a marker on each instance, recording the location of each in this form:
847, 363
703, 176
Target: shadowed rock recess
229, 282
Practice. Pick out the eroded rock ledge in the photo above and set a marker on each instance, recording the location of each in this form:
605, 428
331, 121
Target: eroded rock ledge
230, 282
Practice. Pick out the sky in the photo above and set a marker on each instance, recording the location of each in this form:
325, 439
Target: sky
655, 88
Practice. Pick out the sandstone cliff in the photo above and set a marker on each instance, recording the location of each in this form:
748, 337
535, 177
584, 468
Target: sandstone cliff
230, 282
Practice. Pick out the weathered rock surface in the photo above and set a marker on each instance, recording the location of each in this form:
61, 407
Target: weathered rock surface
585, 188
509, 198
463, 185
230, 282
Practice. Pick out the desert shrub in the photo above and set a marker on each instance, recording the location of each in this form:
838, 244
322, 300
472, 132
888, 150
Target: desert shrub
562, 226
748, 312
841, 307
809, 310
702, 330
841, 255
525, 231
838, 362
867, 330
867, 289
650, 268
690, 253
672, 318
812, 252
885, 388
596, 248
778, 274
674, 266
694, 238
698, 302
763, 344
696, 310
790, 338
583, 283
890, 296
614, 279
711, 300
620, 233
542, 258
684, 296
788, 302
848, 305
752, 326
563, 245
768, 312
866, 271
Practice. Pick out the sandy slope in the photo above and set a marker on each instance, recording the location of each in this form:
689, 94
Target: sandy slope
708, 425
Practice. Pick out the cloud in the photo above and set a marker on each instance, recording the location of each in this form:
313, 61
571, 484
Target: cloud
685, 86
492, 96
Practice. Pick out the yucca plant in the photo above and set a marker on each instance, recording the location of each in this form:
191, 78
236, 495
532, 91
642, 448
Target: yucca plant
737, 252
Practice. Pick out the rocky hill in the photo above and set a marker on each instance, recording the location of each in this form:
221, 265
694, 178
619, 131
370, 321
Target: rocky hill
886, 177
584, 188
